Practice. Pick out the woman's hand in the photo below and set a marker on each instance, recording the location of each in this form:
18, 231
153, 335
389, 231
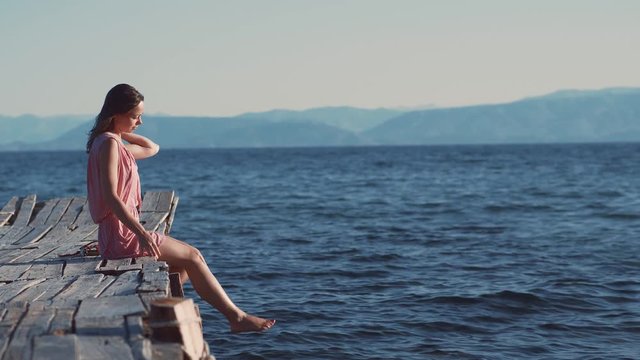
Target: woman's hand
148, 245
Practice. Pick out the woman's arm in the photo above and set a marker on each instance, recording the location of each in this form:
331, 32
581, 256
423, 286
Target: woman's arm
108, 164
140, 146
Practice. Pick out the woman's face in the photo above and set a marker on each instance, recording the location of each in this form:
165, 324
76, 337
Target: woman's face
130, 120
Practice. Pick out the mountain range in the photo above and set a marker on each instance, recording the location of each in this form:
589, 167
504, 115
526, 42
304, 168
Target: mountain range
606, 115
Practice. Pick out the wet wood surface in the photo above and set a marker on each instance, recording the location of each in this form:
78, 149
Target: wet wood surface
60, 300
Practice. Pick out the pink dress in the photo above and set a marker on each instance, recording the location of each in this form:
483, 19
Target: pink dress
116, 240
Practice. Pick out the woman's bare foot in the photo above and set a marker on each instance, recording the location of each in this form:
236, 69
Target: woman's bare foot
248, 323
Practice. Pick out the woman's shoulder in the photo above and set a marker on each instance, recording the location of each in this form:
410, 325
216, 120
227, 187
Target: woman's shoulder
102, 139
107, 134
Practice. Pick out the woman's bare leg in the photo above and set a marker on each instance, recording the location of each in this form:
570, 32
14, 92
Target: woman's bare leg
183, 256
184, 276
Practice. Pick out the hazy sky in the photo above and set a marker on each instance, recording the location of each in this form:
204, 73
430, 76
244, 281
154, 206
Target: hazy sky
229, 57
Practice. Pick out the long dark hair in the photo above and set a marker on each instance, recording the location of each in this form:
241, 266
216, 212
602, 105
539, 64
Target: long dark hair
120, 99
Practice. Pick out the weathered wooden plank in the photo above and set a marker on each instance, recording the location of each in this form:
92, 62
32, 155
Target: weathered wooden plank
85, 286
103, 326
106, 316
17, 255
149, 264
37, 253
58, 211
73, 210
110, 307
150, 201
24, 235
52, 347
110, 267
5, 217
103, 348
8, 211
141, 349
84, 217
12, 272
80, 266
7, 254
58, 233
148, 297
151, 220
162, 228
140, 345
91, 235
45, 290
132, 267
164, 201
11, 206
24, 212
14, 234
154, 281
10, 290
172, 214
10, 319
34, 323
36, 234
68, 249
62, 322
45, 270
83, 233
175, 285
42, 211
125, 284
135, 327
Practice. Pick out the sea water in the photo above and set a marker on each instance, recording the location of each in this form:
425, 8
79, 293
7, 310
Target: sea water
447, 252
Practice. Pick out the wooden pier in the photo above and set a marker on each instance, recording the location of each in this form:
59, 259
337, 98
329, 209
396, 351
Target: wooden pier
59, 300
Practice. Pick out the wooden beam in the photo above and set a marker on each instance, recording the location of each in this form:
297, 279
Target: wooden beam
172, 214
10, 320
44, 290
150, 201
109, 307
5, 217
73, 210
164, 201
47, 270
52, 347
125, 284
151, 220
24, 212
103, 348
10, 290
12, 272
34, 323
80, 266
11, 206
42, 211
85, 286
33, 236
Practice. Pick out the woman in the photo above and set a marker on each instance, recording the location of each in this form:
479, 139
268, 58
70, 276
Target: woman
113, 187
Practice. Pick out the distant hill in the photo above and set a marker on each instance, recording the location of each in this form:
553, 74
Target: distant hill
33, 129
278, 128
565, 116
344, 117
